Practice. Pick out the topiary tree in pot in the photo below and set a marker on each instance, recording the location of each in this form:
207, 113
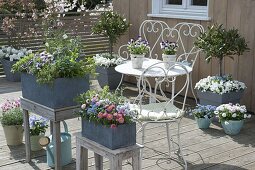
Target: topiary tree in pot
113, 26
217, 42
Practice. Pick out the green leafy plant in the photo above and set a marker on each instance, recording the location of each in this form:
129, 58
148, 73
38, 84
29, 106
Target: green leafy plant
61, 60
12, 117
218, 42
111, 25
138, 46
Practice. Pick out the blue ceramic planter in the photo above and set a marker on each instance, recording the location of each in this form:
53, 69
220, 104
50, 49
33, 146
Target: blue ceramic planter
232, 127
108, 76
203, 123
113, 138
7, 66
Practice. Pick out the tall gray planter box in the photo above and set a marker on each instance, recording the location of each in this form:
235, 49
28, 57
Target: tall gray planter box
209, 98
108, 76
60, 94
113, 138
7, 66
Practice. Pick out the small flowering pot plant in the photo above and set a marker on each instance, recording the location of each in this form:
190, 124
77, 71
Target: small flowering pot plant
169, 48
138, 47
203, 115
107, 118
216, 90
38, 126
231, 117
12, 121
107, 75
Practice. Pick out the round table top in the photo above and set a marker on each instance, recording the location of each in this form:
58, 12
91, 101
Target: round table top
126, 68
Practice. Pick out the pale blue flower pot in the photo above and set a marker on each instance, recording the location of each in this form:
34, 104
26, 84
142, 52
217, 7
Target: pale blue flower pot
232, 127
203, 123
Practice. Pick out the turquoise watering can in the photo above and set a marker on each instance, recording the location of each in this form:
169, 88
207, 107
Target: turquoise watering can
66, 150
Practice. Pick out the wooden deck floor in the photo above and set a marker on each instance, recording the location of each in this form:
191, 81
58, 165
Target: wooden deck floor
203, 149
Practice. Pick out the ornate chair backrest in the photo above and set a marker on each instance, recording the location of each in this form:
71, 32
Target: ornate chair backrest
185, 35
161, 78
151, 31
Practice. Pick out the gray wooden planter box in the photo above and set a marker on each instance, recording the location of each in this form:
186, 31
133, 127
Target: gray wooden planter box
58, 95
7, 66
108, 76
209, 98
113, 138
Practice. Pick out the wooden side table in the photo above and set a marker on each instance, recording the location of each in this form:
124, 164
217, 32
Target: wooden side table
55, 116
115, 156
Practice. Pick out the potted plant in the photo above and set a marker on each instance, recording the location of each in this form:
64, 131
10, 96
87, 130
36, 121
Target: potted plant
47, 75
12, 121
215, 90
219, 43
232, 117
169, 50
38, 126
8, 57
107, 119
138, 49
203, 115
112, 25
106, 70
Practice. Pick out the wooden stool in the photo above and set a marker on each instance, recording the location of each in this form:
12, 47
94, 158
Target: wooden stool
115, 156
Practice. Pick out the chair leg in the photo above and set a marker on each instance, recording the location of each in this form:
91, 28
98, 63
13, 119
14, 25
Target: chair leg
180, 146
143, 138
168, 139
191, 86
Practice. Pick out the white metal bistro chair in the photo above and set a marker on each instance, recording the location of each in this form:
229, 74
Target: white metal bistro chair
162, 111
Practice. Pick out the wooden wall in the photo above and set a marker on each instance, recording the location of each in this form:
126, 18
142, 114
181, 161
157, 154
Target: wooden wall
231, 13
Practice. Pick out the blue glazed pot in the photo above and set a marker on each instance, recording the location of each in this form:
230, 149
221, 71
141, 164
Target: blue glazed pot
7, 66
112, 138
232, 127
203, 123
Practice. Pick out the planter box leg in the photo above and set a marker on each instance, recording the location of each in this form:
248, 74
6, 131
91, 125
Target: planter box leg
98, 162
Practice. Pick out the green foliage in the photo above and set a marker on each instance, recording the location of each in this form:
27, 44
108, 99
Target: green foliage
111, 25
219, 42
12, 117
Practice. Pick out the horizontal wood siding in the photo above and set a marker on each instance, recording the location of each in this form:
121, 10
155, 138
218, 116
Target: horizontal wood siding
79, 25
230, 13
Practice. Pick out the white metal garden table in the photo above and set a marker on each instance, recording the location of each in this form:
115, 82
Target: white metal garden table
126, 69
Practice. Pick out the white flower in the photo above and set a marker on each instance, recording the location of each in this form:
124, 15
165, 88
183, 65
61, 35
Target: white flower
226, 123
224, 115
83, 106
65, 36
216, 112
245, 116
234, 115
249, 116
47, 44
1, 54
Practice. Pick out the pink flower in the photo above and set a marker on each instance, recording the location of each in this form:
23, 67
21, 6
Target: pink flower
100, 115
113, 126
115, 114
105, 114
121, 120
109, 116
110, 108
120, 116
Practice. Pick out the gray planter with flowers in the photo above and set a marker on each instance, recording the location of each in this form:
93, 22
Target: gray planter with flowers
108, 76
232, 127
215, 99
57, 95
7, 66
122, 136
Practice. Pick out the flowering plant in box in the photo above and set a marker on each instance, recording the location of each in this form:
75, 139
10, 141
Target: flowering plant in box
230, 111
138, 46
169, 48
106, 60
219, 84
38, 125
12, 54
105, 108
202, 111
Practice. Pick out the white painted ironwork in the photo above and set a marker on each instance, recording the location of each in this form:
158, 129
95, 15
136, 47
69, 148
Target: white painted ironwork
162, 107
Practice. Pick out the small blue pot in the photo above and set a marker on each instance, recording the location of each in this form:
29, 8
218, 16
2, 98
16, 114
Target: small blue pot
203, 123
232, 127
